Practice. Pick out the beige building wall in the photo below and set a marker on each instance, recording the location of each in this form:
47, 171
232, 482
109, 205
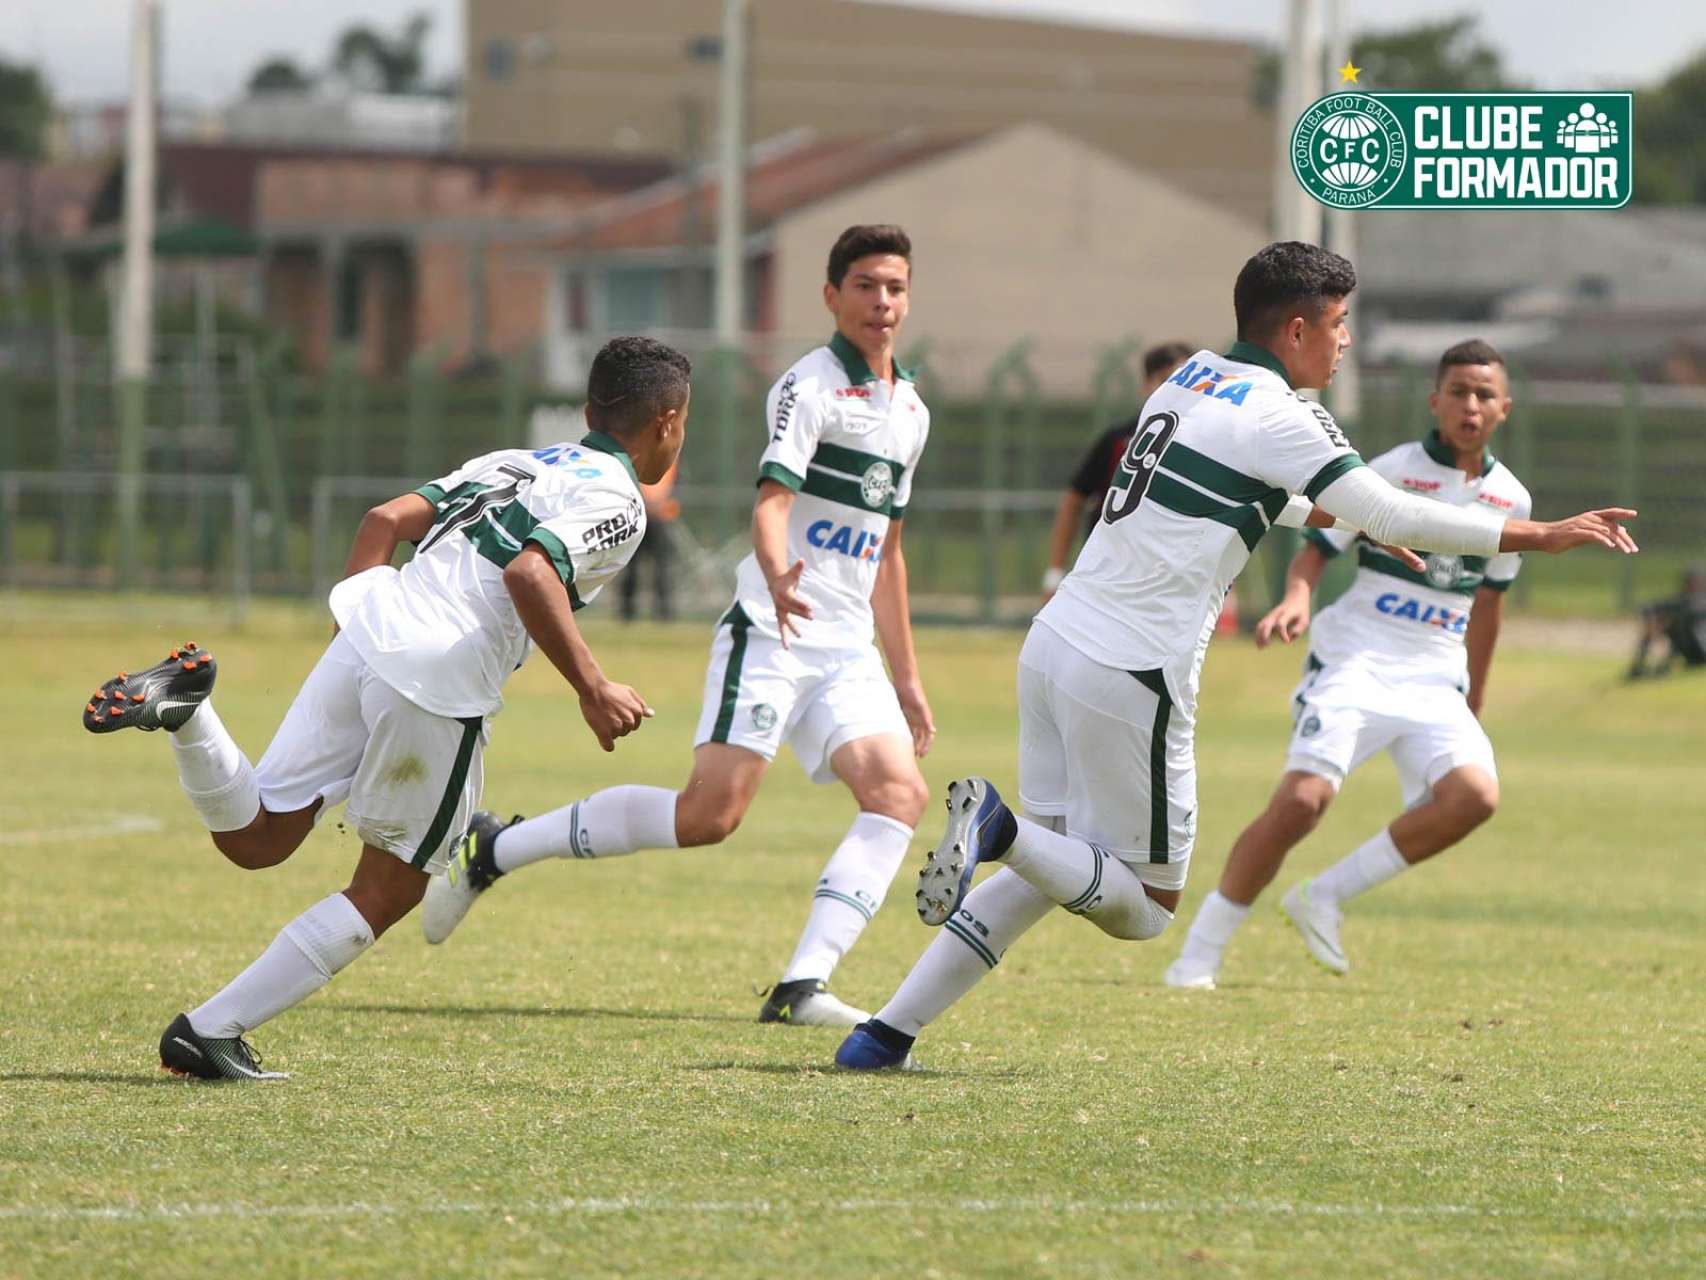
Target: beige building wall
1029, 234
591, 75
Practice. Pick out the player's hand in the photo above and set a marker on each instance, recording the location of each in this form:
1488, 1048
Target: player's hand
613, 711
1408, 558
1604, 527
789, 603
1284, 622
916, 708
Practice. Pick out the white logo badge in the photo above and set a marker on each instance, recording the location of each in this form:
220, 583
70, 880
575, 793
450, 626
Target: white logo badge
877, 484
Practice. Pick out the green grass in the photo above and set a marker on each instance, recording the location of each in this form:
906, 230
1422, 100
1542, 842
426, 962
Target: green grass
1508, 1083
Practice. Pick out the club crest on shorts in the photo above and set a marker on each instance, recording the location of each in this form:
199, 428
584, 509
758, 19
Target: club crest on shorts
1310, 727
877, 484
1442, 571
764, 717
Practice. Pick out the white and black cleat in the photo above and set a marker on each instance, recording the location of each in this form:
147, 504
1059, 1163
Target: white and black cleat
980, 828
184, 1053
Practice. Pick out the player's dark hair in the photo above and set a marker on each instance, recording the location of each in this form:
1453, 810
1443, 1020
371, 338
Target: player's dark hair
862, 241
1474, 351
1286, 279
1166, 356
633, 382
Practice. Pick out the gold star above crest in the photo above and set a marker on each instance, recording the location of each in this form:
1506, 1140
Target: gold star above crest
1349, 72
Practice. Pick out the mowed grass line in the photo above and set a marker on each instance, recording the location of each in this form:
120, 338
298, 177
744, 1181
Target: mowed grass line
1506, 1084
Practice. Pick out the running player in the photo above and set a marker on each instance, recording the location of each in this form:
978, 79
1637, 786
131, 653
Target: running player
393, 718
1099, 466
1108, 674
1398, 664
792, 659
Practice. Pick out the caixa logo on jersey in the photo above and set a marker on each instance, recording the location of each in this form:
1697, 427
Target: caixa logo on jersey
861, 544
1394, 605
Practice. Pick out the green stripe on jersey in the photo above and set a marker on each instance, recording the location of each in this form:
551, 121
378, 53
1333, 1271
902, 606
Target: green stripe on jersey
1185, 501
1321, 542
1469, 577
781, 475
849, 493
854, 461
1332, 471
1219, 478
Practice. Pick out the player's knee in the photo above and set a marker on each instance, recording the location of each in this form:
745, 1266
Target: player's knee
1136, 923
1298, 809
250, 849
1472, 800
903, 799
701, 822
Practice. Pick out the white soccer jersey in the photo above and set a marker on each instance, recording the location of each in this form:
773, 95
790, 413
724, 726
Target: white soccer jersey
1221, 446
443, 631
847, 445
1409, 625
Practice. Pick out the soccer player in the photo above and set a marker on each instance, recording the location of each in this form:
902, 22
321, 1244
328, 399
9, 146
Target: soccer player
1108, 674
1398, 664
792, 660
393, 718
1100, 464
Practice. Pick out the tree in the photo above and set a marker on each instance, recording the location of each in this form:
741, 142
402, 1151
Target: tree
1670, 146
280, 75
25, 111
369, 59
1447, 56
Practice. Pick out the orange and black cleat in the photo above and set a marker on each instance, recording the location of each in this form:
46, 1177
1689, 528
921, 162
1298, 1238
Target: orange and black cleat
162, 697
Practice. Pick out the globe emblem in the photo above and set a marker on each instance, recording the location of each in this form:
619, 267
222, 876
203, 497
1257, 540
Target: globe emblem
1442, 571
877, 484
1343, 161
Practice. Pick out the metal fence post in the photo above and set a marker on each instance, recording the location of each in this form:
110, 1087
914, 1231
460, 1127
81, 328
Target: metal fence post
1521, 430
1002, 411
1628, 475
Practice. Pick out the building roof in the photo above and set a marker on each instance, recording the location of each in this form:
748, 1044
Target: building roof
783, 175
220, 179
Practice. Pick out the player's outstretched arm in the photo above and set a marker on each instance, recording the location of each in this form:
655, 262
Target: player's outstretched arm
1290, 617
892, 610
611, 710
770, 548
1591, 528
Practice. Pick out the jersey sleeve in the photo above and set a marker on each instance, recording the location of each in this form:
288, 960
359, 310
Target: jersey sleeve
794, 414
903, 490
1502, 569
590, 534
1332, 542
1300, 449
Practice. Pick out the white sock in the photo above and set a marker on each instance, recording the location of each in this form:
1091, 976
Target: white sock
1086, 881
1217, 920
217, 776
606, 824
301, 960
968, 946
852, 887
1374, 862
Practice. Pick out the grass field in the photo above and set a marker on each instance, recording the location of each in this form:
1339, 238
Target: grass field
1508, 1083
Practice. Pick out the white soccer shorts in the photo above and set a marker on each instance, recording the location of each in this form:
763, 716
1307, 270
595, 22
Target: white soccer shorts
1345, 713
1107, 751
413, 779
759, 695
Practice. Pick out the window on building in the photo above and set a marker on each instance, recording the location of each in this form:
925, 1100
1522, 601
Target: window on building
500, 59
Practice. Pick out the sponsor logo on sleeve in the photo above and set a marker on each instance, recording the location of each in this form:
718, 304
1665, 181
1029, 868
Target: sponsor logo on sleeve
785, 398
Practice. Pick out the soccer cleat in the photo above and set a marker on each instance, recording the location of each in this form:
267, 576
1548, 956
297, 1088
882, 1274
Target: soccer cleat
808, 1002
162, 697
980, 826
472, 868
865, 1050
184, 1053
1193, 972
1319, 924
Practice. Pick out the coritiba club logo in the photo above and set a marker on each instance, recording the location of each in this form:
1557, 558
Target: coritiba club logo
1357, 150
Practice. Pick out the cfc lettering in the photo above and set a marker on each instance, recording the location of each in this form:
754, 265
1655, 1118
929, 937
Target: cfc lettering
861, 544
1394, 605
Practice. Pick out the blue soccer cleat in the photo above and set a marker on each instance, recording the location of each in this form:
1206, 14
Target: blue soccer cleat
870, 1049
980, 827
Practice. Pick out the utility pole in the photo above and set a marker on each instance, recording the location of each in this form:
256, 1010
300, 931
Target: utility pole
1296, 215
1345, 395
731, 177
133, 350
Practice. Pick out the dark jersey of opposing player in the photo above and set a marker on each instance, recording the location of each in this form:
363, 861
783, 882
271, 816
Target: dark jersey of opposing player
1096, 472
